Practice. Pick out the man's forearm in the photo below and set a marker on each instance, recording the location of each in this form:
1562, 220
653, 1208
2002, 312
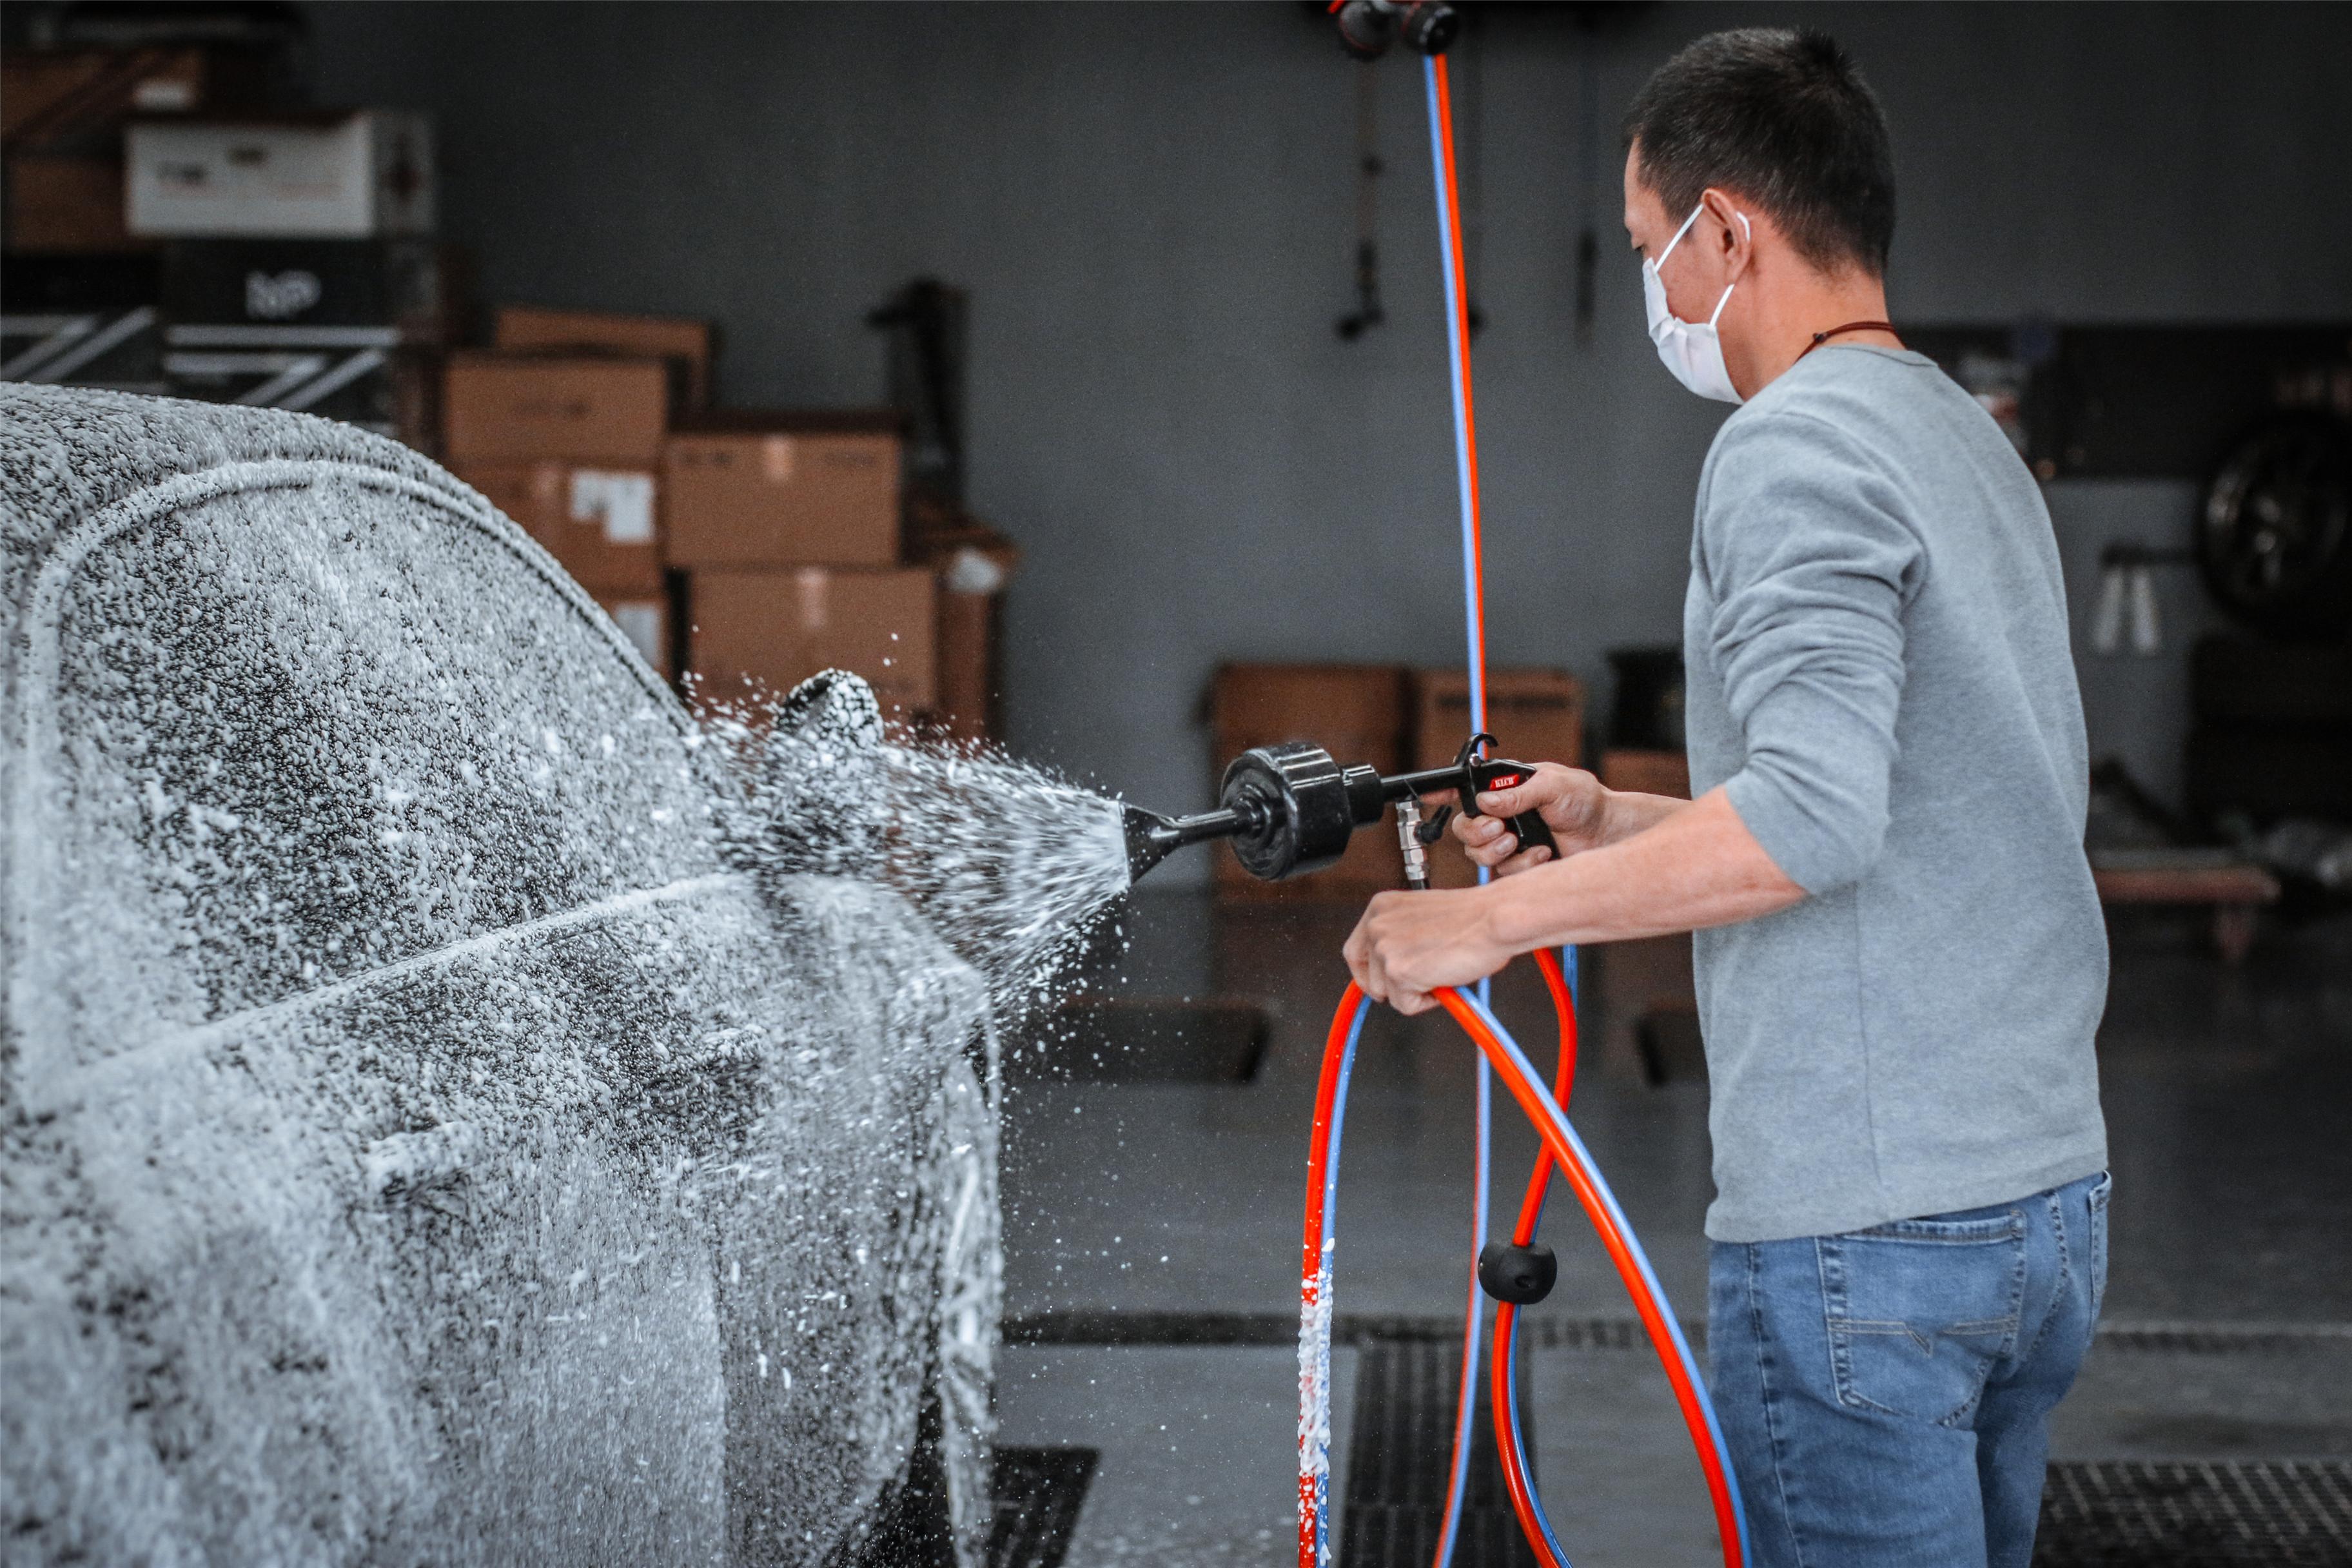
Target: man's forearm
1694, 864
1629, 812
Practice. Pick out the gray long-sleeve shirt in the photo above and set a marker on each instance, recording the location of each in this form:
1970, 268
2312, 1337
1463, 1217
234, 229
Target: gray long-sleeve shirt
1879, 677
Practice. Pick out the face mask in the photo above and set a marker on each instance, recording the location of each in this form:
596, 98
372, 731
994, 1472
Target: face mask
1693, 353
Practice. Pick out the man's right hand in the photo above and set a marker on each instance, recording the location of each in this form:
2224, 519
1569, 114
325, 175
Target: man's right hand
1574, 805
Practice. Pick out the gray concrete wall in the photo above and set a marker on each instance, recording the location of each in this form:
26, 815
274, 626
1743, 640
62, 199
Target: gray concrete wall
1153, 208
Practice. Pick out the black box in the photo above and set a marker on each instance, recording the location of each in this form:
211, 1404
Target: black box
408, 285
349, 329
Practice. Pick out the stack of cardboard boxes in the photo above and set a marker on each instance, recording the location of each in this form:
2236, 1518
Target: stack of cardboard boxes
1391, 718
80, 293
570, 446
169, 230
786, 530
300, 267
63, 111
744, 552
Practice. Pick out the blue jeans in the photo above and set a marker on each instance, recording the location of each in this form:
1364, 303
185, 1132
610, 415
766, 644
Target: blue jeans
1886, 1394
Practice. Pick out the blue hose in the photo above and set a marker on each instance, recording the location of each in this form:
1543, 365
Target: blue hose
1457, 352
1650, 1285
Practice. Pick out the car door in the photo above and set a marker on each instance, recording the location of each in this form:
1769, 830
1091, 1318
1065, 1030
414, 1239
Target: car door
444, 1153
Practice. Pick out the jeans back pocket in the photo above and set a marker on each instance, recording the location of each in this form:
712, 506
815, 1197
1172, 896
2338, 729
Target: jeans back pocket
1920, 1309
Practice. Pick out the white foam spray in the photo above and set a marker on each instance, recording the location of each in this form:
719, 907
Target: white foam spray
1011, 866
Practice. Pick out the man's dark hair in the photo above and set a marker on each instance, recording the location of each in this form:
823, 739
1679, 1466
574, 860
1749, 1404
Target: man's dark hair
1782, 118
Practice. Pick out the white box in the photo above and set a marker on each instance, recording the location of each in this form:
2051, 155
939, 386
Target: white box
353, 176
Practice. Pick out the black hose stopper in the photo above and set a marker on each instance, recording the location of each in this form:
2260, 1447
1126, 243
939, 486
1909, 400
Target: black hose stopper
1520, 1275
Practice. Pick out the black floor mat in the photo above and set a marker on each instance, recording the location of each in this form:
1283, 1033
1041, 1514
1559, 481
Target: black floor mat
2196, 1514
1397, 1473
1143, 1040
1038, 1494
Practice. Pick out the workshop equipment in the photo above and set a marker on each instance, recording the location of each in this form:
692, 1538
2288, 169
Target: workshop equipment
1369, 311
2274, 538
1290, 808
1367, 28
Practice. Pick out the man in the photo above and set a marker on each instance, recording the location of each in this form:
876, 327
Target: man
1900, 958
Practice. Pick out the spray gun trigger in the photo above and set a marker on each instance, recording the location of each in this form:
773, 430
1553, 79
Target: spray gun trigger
1431, 831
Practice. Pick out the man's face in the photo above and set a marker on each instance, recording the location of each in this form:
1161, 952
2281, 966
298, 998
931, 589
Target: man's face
1697, 272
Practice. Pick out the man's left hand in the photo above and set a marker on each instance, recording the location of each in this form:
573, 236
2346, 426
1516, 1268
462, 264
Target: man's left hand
1410, 945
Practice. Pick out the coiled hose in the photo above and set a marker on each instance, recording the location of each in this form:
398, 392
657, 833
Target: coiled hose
1562, 1150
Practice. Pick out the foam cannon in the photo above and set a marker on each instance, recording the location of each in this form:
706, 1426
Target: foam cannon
1290, 808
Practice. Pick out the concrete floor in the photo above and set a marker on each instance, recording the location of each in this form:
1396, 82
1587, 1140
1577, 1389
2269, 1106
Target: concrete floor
2225, 1093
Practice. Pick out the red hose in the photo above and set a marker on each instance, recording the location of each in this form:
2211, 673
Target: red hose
1310, 1261
1687, 1394
1498, 1395
1473, 575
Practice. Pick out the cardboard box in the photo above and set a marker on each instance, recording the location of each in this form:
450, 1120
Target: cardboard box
767, 490
601, 523
1356, 712
48, 96
513, 408
644, 621
678, 342
1287, 701
1535, 715
971, 637
349, 175
975, 563
61, 116
770, 630
66, 201
1647, 771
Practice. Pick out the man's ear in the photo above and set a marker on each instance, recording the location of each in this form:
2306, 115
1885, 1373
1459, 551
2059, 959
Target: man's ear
1735, 232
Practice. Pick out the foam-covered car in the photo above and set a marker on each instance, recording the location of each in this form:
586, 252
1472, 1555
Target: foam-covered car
420, 1141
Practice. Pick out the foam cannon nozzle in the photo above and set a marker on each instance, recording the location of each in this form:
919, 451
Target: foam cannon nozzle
1290, 808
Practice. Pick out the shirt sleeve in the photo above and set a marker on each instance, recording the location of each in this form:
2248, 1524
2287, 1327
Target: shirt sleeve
1810, 565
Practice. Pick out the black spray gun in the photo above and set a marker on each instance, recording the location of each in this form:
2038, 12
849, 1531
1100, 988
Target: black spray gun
1290, 809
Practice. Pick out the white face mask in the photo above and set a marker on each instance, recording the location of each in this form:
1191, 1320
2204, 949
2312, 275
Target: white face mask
1693, 353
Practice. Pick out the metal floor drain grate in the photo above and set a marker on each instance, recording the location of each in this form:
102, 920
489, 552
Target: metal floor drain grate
1537, 1331
2224, 1339
1395, 1501
1545, 1331
2193, 1514
1038, 1492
